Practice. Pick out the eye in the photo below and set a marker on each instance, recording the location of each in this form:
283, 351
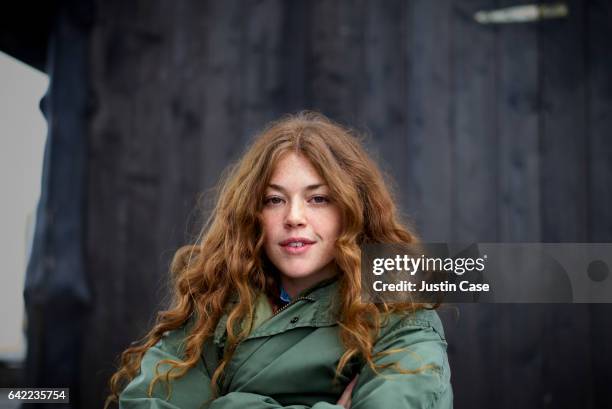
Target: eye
273, 200
319, 199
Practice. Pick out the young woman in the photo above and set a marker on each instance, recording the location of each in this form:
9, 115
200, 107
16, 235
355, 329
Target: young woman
267, 310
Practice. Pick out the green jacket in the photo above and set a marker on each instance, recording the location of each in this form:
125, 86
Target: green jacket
289, 359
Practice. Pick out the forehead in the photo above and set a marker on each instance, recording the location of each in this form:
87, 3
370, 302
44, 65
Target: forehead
294, 169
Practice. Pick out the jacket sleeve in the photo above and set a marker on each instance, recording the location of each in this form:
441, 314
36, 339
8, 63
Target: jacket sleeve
422, 346
190, 391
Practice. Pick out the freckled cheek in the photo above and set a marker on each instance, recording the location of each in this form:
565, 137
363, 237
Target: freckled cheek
269, 225
329, 226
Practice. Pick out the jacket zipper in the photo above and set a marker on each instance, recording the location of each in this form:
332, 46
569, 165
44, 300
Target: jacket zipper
276, 313
290, 304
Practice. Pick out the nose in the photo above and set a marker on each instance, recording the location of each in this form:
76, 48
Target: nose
295, 215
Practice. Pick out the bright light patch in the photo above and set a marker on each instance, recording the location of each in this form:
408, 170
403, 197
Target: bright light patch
22, 138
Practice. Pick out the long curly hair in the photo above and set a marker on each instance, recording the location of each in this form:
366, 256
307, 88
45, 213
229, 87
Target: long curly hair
228, 258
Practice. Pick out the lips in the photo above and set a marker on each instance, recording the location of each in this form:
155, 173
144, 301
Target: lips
296, 245
296, 242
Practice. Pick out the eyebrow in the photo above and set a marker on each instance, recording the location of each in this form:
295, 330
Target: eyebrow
309, 187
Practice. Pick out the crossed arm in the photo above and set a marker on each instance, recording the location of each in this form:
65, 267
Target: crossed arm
421, 347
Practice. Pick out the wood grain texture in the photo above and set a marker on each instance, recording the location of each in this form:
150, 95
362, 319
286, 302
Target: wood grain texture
518, 114
563, 127
428, 111
474, 125
598, 16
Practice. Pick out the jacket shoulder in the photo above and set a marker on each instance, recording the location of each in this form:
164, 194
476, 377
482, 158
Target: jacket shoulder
174, 341
420, 319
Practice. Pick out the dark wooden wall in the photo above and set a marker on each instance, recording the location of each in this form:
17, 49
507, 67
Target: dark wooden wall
492, 133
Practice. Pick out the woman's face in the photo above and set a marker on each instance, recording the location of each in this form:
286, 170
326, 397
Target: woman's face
300, 224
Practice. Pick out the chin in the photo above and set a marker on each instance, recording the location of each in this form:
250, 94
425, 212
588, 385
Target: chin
297, 273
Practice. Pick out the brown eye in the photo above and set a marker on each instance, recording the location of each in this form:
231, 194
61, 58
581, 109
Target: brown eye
274, 200
319, 199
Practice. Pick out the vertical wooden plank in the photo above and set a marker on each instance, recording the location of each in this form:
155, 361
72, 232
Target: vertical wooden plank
474, 152
474, 125
518, 131
223, 120
599, 104
563, 172
262, 70
182, 106
428, 111
563, 166
384, 98
599, 94
518, 354
567, 333
126, 149
335, 75
295, 46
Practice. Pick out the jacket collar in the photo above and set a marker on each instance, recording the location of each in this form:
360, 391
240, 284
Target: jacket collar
323, 290
320, 296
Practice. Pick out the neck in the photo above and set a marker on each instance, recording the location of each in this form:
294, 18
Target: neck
294, 286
